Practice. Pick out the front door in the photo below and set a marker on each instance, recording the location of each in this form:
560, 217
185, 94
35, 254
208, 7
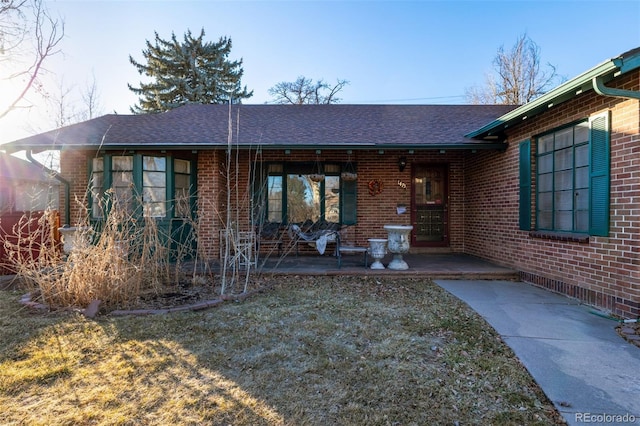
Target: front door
429, 206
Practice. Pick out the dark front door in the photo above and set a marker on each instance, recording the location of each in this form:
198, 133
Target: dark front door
429, 206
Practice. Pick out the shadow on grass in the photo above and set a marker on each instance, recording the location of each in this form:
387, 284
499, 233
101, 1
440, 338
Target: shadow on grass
309, 351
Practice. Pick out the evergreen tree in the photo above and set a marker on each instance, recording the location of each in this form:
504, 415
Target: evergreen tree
189, 72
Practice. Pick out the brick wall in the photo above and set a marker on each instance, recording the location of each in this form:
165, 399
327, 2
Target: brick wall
602, 271
373, 211
376, 211
75, 169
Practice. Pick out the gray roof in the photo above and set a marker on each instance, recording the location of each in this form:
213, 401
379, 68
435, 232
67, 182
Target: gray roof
17, 169
278, 126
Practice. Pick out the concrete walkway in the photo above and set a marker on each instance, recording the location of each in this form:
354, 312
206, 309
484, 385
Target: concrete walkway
587, 370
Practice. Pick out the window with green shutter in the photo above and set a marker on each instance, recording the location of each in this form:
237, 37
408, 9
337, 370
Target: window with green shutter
572, 179
599, 194
294, 195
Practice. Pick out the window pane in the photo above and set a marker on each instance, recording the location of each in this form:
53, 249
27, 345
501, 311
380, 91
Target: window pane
581, 133
582, 199
563, 200
123, 198
544, 220
545, 201
182, 205
153, 194
122, 179
97, 164
564, 221
155, 209
182, 181
182, 188
582, 155
563, 159
154, 163
274, 202
564, 138
582, 177
545, 164
97, 182
332, 199
545, 182
582, 221
563, 180
545, 144
182, 166
121, 163
156, 179
303, 199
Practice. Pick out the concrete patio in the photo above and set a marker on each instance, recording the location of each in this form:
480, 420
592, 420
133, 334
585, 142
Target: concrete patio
435, 266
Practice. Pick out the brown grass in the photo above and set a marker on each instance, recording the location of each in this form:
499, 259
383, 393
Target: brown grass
308, 351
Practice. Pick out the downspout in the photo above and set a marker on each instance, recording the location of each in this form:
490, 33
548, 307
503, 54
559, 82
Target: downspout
603, 90
59, 178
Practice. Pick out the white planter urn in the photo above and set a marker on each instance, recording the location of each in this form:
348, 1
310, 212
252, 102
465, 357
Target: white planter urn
377, 250
71, 237
398, 245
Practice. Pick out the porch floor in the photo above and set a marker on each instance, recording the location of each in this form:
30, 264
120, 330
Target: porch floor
436, 266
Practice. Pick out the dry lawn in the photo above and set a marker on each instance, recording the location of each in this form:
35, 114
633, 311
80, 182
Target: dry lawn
307, 351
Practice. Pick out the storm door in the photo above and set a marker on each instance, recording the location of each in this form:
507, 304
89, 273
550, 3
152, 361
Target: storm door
429, 206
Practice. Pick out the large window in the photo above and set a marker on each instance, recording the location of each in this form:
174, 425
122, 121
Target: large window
563, 180
572, 179
293, 196
156, 184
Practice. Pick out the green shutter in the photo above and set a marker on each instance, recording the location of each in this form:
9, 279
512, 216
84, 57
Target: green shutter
525, 186
349, 202
599, 176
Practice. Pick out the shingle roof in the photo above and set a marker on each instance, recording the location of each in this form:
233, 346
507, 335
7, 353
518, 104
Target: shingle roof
13, 168
301, 126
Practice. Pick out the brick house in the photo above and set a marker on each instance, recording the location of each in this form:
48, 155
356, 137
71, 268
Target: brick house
550, 188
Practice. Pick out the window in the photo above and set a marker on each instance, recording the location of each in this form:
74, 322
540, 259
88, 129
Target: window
572, 179
142, 181
122, 182
97, 186
563, 180
294, 197
182, 188
154, 186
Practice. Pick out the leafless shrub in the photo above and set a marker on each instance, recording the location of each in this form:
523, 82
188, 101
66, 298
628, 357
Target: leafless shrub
117, 263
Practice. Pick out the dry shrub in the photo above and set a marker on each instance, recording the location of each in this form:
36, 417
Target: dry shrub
116, 264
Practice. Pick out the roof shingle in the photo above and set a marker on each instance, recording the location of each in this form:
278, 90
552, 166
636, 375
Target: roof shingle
207, 126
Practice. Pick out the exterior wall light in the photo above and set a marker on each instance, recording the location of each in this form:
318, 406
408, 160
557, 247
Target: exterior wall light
402, 163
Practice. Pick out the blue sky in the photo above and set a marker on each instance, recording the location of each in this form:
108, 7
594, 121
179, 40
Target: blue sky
424, 51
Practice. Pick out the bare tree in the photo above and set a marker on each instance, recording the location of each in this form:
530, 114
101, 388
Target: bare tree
28, 36
305, 91
91, 100
518, 77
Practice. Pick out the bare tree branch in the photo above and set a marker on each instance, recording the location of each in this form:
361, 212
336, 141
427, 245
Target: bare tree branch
46, 33
520, 78
305, 91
